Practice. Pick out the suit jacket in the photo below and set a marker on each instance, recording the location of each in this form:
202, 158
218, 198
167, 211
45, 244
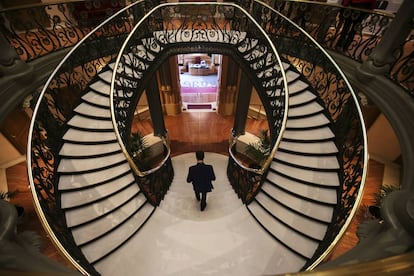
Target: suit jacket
201, 176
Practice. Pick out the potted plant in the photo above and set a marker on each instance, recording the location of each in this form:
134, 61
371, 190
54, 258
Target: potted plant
140, 151
9, 195
259, 150
385, 190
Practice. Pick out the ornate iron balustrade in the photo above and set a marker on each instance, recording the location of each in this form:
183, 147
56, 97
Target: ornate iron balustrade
360, 31
341, 105
222, 28
54, 108
38, 30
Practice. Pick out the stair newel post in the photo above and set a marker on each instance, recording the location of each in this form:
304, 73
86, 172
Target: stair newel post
383, 55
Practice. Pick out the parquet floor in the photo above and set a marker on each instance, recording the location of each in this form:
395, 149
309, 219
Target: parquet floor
188, 132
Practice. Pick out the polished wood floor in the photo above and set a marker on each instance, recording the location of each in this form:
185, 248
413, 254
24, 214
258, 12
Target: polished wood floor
188, 132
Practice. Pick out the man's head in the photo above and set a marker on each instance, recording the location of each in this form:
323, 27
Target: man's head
200, 155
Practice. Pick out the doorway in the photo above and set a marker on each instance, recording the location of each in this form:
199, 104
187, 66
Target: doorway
199, 76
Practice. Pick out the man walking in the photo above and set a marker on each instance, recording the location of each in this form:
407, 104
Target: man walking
201, 175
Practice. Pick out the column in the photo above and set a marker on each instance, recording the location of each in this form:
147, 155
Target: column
154, 104
169, 84
242, 106
228, 85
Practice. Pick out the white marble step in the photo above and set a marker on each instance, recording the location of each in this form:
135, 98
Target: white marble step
107, 243
96, 98
106, 75
90, 212
99, 227
89, 194
296, 87
299, 243
307, 226
315, 162
308, 208
317, 177
79, 135
67, 182
90, 110
325, 147
312, 121
309, 134
68, 165
321, 194
303, 110
300, 98
101, 87
291, 76
69, 149
88, 123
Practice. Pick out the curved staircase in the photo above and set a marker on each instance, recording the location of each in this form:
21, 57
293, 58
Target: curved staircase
104, 207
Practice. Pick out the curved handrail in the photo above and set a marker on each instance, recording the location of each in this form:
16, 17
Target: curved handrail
361, 128
47, 153
166, 5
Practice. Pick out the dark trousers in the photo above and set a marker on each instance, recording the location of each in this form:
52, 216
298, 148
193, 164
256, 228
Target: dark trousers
203, 197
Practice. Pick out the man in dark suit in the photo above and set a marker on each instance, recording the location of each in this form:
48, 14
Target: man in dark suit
201, 176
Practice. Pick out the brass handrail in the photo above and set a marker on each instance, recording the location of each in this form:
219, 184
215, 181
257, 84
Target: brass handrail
38, 208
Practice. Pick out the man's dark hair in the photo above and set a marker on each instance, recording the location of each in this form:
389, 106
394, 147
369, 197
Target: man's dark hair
200, 155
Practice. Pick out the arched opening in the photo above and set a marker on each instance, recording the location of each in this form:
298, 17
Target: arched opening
199, 76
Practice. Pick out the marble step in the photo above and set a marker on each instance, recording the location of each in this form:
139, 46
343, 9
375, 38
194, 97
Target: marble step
296, 87
317, 134
298, 243
327, 195
87, 213
83, 150
304, 110
291, 77
93, 111
100, 87
308, 122
68, 165
325, 147
302, 224
97, 249
108, 222
81, 122
329, 179
317, 211
76, 181
313, 162
90, 193
87, 136
96, 98
106, 76
300, 98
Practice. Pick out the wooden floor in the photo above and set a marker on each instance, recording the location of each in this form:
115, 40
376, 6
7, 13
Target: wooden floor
188, 132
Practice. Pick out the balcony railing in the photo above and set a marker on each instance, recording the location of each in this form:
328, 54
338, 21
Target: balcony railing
351, 32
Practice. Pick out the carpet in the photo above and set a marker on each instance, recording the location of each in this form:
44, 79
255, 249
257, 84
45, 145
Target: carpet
199, 106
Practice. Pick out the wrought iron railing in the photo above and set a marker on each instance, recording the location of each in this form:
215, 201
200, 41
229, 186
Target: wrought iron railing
54, 108
41, 29
352, 32
218, 27
342, 107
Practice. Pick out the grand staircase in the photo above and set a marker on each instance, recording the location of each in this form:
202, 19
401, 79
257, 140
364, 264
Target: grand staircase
104, 208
